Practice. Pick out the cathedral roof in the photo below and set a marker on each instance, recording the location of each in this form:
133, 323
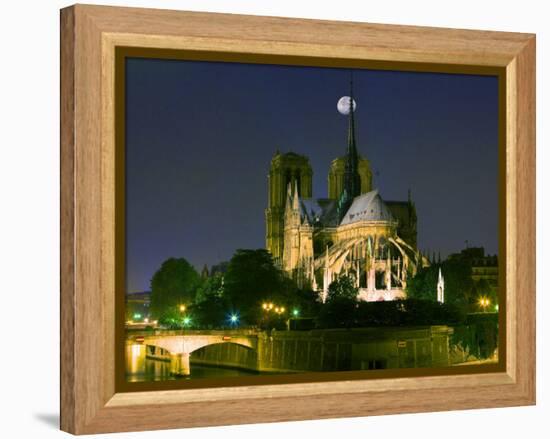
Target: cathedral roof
320, 212
367, 207
323, 212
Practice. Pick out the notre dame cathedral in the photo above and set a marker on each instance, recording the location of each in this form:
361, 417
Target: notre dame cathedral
353, 231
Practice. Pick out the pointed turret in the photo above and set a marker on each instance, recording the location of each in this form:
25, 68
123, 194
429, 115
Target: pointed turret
295, 198
440, 288
288, 194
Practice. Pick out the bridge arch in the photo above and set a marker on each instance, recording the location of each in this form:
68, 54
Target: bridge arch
181, 346
189, 343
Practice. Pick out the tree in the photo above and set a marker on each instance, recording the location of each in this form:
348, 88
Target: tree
340, 307
478, 336
210, 313
210, 307
252, 279
209, 288
482, 289
338, 313
457, 274
175, 283
304, 300
343, 287
423, 286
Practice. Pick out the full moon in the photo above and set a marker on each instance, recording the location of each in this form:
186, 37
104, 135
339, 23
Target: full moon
343, 105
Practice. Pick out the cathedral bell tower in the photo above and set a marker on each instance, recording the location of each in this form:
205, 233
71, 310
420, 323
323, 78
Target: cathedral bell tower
289, 168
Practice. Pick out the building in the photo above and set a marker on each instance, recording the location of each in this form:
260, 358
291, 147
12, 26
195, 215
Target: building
287, 170
137, 305
484, 267
486, 270
353, 231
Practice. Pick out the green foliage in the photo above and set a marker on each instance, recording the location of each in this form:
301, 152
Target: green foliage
380, 314
343, 287
305, 300
343, 312
427, 312
423, 286
175, 283
458, 283
210, 313
252, 279
211, 309
478, 335
482, 289
211, 287
339, 311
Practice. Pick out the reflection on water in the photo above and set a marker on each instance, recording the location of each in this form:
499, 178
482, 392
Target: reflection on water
140, 368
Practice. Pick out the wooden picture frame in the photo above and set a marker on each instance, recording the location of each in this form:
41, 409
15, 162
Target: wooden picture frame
90, 36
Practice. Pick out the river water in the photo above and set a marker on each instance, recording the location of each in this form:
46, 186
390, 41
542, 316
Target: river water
140, 368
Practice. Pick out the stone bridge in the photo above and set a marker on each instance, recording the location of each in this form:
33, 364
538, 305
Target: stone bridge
180, 344
302, 351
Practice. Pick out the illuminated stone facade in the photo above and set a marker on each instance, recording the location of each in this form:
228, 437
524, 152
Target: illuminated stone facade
352, 232
286, 169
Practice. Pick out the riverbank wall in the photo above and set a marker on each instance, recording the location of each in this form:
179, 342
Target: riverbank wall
335, 350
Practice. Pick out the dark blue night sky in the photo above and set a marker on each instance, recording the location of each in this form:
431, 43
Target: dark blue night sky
200, 137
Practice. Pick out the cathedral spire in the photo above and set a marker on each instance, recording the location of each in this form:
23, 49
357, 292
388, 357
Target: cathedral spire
352, 147
352, 180
440, 288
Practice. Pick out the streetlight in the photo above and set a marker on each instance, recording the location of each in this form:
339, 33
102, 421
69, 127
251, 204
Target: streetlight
186, 320
234, 319
295, 312
271, 307
484, 303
